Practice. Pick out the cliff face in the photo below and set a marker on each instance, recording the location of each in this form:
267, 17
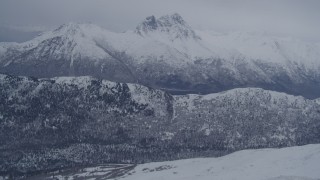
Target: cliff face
66, 121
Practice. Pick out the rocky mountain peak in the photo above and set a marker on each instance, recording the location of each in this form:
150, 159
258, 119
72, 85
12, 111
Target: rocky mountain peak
173, 25
173, 19
150, 22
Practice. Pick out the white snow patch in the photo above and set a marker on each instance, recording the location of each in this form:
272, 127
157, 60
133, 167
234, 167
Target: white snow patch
167, 136
83, 81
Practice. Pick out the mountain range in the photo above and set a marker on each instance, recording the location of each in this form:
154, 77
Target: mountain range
166, 53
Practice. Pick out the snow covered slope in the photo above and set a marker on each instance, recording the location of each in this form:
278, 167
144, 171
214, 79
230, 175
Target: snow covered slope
294, 163
167, 53
268, 48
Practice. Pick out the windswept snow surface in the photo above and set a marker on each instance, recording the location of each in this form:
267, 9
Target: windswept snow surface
294, 163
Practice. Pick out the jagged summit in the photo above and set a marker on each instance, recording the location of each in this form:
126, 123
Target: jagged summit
172, 19
149, 23
173, 25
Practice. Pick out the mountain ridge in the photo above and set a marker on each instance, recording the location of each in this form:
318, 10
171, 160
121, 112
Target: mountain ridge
73, 121
168, 54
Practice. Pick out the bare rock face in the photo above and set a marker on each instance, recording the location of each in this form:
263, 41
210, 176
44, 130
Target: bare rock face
172, 25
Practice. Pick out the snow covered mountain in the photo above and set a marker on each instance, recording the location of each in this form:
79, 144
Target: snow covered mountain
167, 53
73, 121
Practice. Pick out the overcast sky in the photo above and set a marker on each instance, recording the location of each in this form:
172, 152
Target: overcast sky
300, 18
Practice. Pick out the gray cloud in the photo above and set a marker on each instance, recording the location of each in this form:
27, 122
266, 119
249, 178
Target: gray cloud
292, 17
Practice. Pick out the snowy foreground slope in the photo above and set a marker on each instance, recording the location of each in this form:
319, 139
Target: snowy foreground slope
167, 53
294, 163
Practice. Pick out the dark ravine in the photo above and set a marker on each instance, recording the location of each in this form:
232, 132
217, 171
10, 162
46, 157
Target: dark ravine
64, 122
